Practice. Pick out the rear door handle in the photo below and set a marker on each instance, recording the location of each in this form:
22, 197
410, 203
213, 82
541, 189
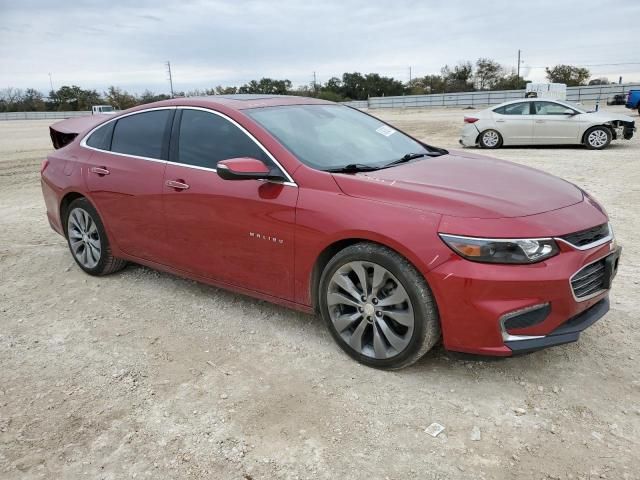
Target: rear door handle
176, 184
100, 171
499, 121
539, 121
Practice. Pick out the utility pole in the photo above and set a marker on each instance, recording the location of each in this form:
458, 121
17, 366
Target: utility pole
409, 75
170, 78
314, 82
50, 82
518, 64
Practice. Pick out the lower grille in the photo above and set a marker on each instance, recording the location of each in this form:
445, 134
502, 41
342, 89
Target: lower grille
589, 280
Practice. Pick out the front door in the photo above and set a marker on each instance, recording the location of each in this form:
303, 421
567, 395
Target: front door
555, 124
236, 232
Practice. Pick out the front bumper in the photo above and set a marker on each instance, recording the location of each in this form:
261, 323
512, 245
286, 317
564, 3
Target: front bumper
475, 298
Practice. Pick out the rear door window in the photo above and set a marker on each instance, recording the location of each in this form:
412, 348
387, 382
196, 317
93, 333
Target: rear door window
521, 108
142, 134
206, 138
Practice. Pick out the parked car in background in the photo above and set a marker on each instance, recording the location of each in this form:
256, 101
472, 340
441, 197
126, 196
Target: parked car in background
618, 99
633, 100
324, 208
103, 109
534, 121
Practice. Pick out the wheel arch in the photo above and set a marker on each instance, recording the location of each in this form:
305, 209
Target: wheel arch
603, 125
64, 206
336, 246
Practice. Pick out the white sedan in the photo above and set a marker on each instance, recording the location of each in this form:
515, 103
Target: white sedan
535, 121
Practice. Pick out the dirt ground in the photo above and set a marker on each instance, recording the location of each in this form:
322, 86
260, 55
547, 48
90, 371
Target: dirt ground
146, 375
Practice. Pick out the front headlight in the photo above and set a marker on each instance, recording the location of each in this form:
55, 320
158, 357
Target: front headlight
496, 250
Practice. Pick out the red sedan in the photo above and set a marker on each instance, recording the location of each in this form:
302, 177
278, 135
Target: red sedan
323, 208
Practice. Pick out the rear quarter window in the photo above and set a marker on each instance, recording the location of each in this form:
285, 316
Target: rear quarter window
101, 138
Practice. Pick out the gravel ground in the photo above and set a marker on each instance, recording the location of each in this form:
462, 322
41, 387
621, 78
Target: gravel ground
143, 374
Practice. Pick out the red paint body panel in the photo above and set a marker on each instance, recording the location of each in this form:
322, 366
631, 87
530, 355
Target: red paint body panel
264, 239
237, 232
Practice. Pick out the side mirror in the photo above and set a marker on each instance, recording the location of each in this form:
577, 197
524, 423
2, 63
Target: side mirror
246, 168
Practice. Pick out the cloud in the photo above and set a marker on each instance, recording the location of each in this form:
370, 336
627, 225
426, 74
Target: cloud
97, 44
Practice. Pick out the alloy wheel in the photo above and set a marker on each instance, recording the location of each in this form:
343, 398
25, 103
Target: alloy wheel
598, 138
490, 139
84, 238
370, 309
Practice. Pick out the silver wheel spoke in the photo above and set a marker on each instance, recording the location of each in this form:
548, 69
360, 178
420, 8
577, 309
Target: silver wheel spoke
340, 299
359, 270
345, 321
396, 341
356, 337
379, 348
398, 296
402, 317
379, 279
344, 282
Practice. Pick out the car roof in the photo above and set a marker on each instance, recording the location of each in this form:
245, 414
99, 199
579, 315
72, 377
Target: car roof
241, 101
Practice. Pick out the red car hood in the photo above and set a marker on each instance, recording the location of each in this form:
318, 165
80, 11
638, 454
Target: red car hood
464, 185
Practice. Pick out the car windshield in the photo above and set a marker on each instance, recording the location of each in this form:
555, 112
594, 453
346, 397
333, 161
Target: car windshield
330, 137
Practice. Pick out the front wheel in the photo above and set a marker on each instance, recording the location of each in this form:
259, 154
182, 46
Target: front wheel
378, 307
88, 240
490, 139
597, 138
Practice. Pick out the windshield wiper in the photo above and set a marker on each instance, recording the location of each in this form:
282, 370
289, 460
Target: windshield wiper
411, 156
353, 168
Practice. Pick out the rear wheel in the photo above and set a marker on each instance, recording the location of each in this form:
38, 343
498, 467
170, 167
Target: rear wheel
88, 240
378, 307
490, 139
597, 138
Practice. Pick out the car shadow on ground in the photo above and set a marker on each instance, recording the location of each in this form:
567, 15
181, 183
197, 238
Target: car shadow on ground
289, 323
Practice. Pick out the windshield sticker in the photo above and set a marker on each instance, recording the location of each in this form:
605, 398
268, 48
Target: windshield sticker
385, 130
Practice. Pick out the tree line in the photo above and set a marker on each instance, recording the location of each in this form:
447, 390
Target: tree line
484, 74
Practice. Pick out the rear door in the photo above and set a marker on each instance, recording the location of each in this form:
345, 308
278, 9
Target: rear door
555, 123
515, 123
124, 177
237, 232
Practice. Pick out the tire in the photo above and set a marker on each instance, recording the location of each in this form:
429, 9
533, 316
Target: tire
638, 109
398, 321
88, 241
490, 139
597, 138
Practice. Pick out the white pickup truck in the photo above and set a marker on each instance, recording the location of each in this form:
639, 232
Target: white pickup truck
103, 109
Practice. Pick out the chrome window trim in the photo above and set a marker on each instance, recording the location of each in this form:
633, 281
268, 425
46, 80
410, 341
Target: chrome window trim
591, 295
83, 143
589, 246
506, 336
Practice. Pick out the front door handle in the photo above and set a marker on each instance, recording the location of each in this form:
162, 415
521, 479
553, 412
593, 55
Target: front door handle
499, 121
177, 185
102, 171
539, 121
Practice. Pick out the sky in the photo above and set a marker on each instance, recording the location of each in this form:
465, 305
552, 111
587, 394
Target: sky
126, 43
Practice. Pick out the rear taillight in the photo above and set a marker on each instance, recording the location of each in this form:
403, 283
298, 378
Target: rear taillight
470, 120
44, 165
